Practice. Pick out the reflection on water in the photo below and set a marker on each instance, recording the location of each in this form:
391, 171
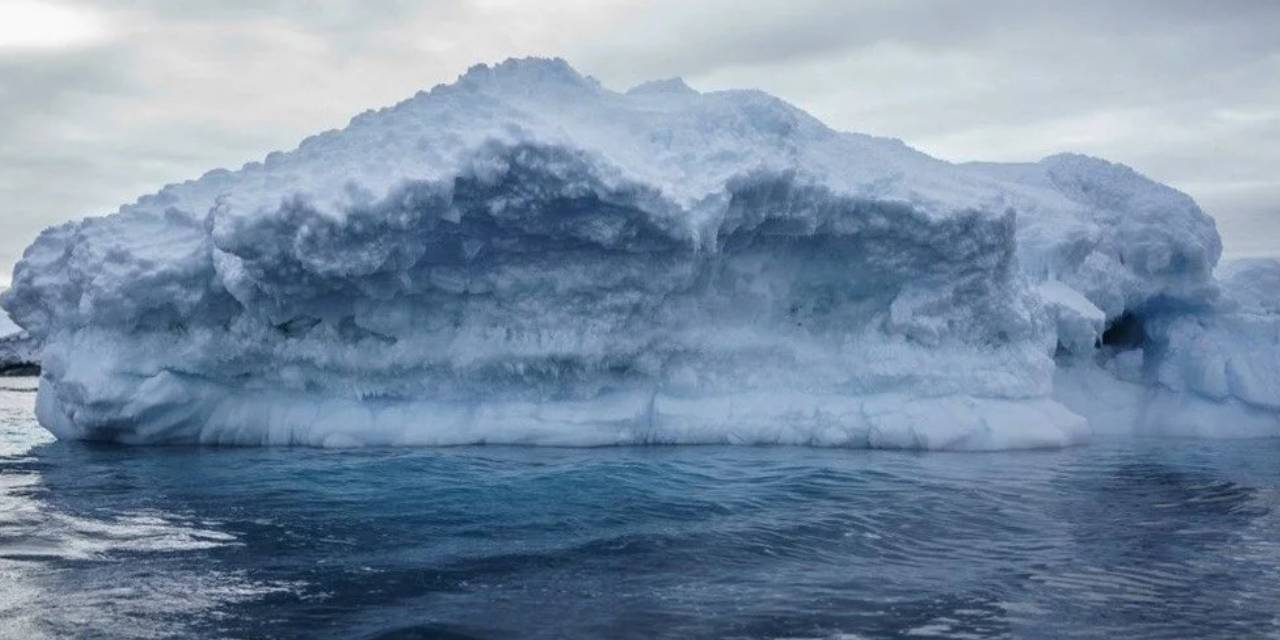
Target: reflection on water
101, 567
1134, 539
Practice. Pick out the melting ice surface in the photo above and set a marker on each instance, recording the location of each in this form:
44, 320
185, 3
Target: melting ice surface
1123, 538
527, 257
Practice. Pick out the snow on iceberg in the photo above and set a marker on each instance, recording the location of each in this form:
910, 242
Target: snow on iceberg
527, 257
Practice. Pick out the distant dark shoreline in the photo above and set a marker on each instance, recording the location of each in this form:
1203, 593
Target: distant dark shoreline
19, 370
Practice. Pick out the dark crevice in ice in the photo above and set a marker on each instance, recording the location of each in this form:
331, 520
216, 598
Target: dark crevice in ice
1125, 332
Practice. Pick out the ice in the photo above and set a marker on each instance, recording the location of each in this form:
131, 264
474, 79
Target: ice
7, 326
1079, 324
527, 257
18, 352
1226, 358
1211, 370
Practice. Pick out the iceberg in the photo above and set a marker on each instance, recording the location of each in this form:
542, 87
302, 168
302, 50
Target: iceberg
18, 351
527, 257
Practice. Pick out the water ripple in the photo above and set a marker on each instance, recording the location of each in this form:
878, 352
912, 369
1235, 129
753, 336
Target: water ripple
1133, 539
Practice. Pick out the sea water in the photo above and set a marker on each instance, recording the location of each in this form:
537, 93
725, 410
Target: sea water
1132, 538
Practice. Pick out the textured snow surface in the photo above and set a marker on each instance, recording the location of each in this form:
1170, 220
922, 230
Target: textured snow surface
525, 256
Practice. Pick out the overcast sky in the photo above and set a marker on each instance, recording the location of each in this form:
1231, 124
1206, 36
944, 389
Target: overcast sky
103, 101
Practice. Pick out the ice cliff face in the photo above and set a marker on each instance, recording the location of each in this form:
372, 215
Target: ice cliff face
527, 257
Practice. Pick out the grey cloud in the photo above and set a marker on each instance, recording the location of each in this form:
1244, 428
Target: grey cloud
698, 38
367, 14
36, 85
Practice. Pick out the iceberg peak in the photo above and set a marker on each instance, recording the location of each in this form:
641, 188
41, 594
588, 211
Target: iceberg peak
530, 73
668, 86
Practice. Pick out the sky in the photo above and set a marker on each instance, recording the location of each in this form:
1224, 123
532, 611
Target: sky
103, 101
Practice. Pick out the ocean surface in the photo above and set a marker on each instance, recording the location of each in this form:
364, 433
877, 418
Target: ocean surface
1120, 539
